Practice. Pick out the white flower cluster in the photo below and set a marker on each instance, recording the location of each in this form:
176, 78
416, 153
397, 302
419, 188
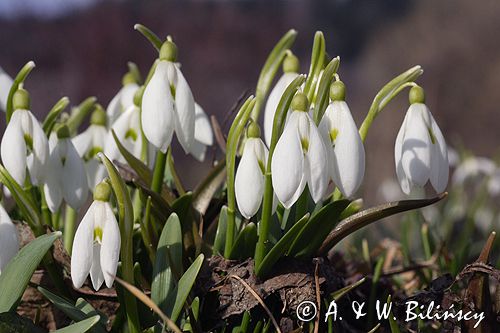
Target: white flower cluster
67, 168
333, 151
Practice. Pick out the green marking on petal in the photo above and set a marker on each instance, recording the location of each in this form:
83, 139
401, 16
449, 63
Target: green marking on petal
431, 135
132, 134
29, 141
172, 91
305, 144
98, 234
92, 153
333, 134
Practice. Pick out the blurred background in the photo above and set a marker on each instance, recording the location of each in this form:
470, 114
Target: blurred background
81, 48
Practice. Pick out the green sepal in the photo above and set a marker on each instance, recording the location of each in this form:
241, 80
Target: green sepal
317, 61
150, 35
323, 95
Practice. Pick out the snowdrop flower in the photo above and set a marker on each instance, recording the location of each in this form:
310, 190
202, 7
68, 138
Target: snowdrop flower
168, 104
128, 130
300, 157
343, 143
494, 183
123, 99
65, 176
91, 142
9, 242
291, 68
24, 143
203, 135
472, 167
96, 247
420, 151
249, 180
5, 84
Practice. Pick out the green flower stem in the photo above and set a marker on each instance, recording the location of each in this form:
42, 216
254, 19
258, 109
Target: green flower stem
46, 214
19, 80
158, 172
233, 140
173, 172
301, 208
386, 94
69, 228
267, 202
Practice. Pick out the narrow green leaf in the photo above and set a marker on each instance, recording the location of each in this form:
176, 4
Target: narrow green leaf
270, 68
50, 119
89, 310
370, 215
79, 113
126, 218
204, 192
280, 248
316, 229
244, 245
337, 295
19, 79
323, 96
176, 300
317, 60
80, 327
220, 235
168, 263
16, 275
139, 167
23, 200
150, 35
392, 323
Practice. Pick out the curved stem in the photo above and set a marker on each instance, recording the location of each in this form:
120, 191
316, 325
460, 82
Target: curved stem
158, 172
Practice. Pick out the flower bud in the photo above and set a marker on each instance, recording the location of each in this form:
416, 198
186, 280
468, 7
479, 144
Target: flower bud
98, 116
168, 51
102, 191
253, 130
337, 91
416, 95
21, 100
291, 63
300, 102
63, 131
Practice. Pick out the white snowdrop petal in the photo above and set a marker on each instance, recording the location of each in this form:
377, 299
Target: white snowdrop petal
398, 153
249, 180
82, 250
287, 164
158, 109
316, 160
348, 160
184, 112
198, 150
110, 249
83, 142
96, 274
13, 149
75, 183
5, 85
416, 156
9, 241
127, 95
272, 103
114, 110
439, 159
202, 129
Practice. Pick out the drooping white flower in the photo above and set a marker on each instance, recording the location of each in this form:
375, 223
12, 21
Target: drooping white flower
473, 167
5, 85
96, 246
203, 134
9, 241
420, 150
291, 68
123, 99
91, 142
343, 143
65, 176
168, 104
24, 144
250, 175
300, 157
128, 130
